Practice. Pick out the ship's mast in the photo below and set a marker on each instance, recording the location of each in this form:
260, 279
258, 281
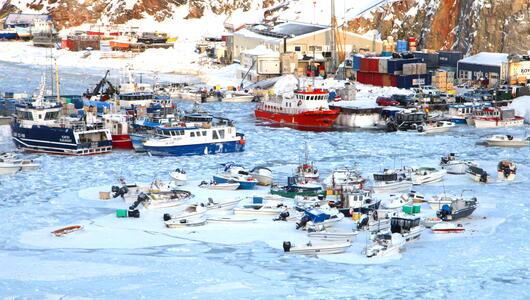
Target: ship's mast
333, 46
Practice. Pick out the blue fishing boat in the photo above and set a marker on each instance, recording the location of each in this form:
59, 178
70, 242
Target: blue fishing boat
459, 112
8, 34
235, 173
39, 127
183, 140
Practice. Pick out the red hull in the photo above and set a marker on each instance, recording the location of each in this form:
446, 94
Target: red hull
121, 141
318, 118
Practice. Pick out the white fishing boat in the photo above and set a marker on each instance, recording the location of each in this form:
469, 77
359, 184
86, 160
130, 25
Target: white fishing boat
346, 179
390, 181
237, 97
262, 174
307, 170
231, 220
504, 118
506, 140
315, 249
436, 202
185, 223
436, 127
506, 170
9, 168
265, 209
478, 174
447, 227
228, 186
384, 245
179, 176
408, 226
431, 221
190, 212
333, 235
452, 165
166, 199
427, 175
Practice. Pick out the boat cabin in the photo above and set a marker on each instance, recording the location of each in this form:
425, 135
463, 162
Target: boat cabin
386, 177
403, 225
43, 113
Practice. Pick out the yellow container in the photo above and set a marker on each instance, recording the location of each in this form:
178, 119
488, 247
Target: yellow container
329, 192
104, 195
356, 216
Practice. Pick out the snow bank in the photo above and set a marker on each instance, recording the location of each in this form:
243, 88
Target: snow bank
522, 107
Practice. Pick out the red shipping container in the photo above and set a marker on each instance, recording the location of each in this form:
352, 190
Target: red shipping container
373, 65
377, 79
364, 64
393, 80
364, 77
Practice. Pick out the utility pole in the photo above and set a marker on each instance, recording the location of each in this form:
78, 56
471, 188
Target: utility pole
333, 46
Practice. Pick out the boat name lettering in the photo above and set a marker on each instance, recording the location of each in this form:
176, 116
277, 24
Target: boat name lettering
65, 139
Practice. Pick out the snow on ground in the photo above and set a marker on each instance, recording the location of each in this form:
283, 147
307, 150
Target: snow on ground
522, 107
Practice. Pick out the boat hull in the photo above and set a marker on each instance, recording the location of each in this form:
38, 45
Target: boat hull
122, 141
493, 123
311, 119
393, 187
243, 184
455, 168
197, 149
496, 143
9, 169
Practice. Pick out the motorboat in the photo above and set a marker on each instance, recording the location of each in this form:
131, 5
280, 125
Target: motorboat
235, 173
396, 202
346, 179
506, 140
185, 223
231, 220
179, 176
262, 174
436, 127
478, 174
315, 249
384, 245
307, 170
228, 186
504, 117
459, 112
190, 212
447, 227
164, 199
318, 218
296, 187
9, 168
427, 175
237, 97
436, 202
408, 226
506, 170
258, 206
225, 205
391, 181
326, 235
358, 201
431, 221
452, 165
459, 208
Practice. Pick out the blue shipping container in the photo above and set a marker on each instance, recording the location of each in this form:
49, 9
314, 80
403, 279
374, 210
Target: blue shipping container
386, 54
357, 62
396, 65
402, 46
409, 81
449, 58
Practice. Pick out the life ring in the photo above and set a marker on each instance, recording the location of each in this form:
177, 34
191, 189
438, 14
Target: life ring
299, 102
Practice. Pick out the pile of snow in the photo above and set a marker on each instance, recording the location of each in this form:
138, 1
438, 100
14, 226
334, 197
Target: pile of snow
261, 50
521, 105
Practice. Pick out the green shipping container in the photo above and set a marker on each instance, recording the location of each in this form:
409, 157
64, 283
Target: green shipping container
416, 208
408, 209
121, 213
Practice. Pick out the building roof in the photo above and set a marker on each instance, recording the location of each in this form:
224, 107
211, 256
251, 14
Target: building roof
13, 18
486, 58
295, 28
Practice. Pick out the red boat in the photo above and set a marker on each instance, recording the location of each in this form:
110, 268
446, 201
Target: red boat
119, 128
307, 108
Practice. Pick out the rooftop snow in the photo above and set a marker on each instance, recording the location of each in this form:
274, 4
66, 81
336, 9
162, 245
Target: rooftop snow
486, 58
24, 18
296, 29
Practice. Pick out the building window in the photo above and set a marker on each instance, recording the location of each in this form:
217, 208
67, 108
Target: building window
315, 48
297, 48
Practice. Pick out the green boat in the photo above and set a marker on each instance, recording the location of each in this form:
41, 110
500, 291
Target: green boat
291, 191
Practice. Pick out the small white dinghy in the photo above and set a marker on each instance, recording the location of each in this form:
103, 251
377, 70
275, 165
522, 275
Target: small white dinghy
347, 236
436, 127
9, 168
191, 212
185, 223
395, 202
166, 199
384, 244
231, 220
179, 177
447, 227
229, 186
506, 170
263, 175
314, 249
259, 209
431, 221
506, 140
427, 175
226, 205
454, 166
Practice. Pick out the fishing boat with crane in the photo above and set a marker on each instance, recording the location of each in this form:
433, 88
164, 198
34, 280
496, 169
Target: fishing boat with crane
40, 127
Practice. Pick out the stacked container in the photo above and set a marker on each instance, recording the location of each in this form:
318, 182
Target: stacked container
412, 43
443, 80
449, 58
402, 46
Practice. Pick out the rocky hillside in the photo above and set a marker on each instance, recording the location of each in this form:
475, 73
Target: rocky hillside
468, 25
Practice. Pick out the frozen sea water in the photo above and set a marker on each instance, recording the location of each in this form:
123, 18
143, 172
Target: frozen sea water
489, 263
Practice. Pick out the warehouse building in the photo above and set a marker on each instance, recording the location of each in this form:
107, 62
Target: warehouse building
486, 67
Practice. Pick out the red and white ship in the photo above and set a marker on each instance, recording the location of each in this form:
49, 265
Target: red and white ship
304, 108
503, 117
119, 129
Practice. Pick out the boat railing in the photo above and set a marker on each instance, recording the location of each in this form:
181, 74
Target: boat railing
78, 126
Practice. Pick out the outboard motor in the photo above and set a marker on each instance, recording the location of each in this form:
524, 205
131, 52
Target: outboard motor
303, 222
506, 171
166, 217
283, 216
484, 177
134, 213
119, 191
286, 246
363, 222
141, 198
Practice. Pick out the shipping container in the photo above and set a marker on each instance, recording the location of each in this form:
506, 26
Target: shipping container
396, 64
402, 46
409, 81
377, 79
373, 65
431, 59
364, 64
383, 65
357, 62
449, 58
364, 77
393, 80
386, 54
